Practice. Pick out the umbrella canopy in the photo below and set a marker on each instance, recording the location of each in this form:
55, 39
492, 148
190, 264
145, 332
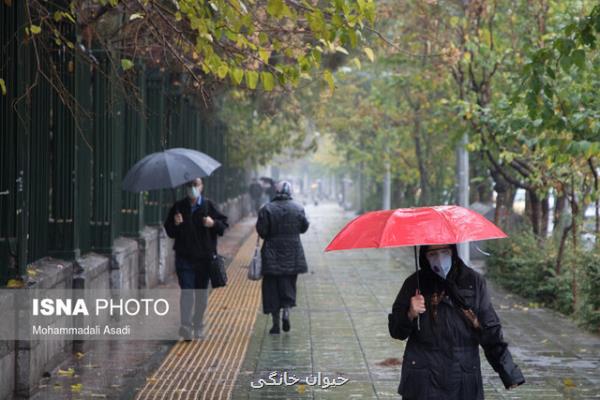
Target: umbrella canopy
413, 227
168, 169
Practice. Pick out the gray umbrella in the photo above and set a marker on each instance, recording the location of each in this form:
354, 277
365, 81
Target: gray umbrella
168, 169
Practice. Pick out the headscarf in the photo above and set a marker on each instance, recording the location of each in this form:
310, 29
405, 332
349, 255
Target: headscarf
283, 190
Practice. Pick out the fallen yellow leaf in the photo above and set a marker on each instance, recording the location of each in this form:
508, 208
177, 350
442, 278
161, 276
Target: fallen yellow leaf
69, 372
76, 387
14, 284
569, 383
301, 389
79, 355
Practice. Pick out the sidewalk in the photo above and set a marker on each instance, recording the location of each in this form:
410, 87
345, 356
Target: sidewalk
117, 369
340, 329
206, 369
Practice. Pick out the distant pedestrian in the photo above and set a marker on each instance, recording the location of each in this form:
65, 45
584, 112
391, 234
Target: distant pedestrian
255, 191
441, 359
268, 189
280, 223
194, 223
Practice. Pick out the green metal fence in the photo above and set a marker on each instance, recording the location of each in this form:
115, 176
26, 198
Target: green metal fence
14, 157
156, 128
61, 166
134, 137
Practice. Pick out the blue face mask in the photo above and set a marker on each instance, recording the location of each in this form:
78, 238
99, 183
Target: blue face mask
440, 261
193, 192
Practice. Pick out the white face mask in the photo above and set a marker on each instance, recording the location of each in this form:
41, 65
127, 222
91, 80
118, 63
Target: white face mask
440, 261
193, 192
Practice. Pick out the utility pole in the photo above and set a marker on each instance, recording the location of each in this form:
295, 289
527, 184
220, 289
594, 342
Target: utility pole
360, 189
462, 195
387, 187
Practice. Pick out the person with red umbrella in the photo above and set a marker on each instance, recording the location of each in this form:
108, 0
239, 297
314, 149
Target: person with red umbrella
443, 308
441, 359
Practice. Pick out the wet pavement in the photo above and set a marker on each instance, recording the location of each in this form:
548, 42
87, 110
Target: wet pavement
339, 330
117, 369
339, 334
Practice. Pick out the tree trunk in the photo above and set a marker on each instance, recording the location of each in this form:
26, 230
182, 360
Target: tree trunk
545, 209
597, 198
561, 248
410, 195
398, 189
502, 205
533, 211
559, 208
424, 198
499, 208
575, 231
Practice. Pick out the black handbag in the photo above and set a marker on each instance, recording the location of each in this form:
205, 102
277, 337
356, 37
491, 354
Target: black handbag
216, 271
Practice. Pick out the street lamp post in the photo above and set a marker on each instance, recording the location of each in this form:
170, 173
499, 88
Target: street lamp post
387, 187
462, 195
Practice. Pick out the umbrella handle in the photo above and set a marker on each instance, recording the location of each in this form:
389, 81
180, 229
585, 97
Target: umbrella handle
418, 286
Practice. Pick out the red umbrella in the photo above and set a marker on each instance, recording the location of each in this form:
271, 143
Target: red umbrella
414, 227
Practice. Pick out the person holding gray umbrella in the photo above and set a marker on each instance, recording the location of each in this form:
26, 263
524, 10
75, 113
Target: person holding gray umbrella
195, 223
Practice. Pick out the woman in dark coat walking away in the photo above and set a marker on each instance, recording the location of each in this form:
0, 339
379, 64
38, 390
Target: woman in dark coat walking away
280, 223
441, 359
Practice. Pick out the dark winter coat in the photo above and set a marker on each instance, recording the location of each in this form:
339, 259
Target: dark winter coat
194, 241
280, 223
441, 360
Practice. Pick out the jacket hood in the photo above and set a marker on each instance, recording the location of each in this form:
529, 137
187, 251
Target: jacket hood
432, 282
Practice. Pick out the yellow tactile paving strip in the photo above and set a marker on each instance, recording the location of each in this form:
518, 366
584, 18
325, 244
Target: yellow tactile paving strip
207, 369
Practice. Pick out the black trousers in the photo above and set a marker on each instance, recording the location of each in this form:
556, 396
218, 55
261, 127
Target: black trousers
278, 291
193, 280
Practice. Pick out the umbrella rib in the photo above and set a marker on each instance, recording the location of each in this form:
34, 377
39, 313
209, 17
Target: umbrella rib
448, 224
384, 229
171, 177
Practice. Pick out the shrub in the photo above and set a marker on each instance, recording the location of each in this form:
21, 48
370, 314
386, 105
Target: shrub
526, 266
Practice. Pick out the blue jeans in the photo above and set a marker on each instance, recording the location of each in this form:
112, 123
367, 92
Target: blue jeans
193, 280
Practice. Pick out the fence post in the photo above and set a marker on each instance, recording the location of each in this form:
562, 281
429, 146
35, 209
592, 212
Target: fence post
63, 242
134, 137
84, 142
22, 150
155, 131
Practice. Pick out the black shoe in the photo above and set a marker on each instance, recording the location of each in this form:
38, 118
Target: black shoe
285, 318
275, 330
186, 333
285, 324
